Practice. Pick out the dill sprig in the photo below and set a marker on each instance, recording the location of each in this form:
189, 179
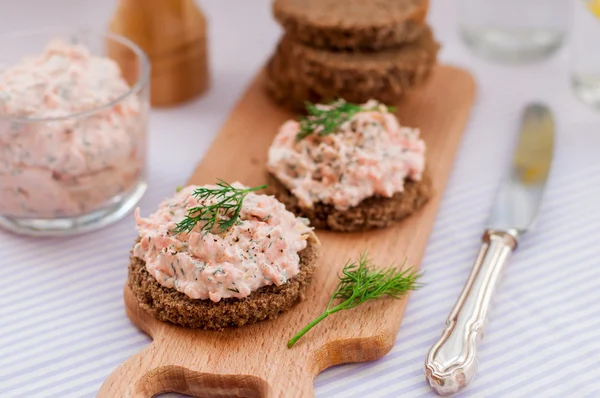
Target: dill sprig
359, 283
224, 214
327, 120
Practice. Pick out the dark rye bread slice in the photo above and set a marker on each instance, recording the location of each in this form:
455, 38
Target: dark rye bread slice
296, 73
268, 302
371, 213
365, 25
284, 87
357, 77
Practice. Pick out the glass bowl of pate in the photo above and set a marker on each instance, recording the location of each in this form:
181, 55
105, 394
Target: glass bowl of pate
72, 130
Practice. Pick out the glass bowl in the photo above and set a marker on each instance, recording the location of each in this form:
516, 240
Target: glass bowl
72, 130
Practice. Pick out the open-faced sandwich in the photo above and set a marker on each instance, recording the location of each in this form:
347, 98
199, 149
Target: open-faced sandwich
221, 255
349, 167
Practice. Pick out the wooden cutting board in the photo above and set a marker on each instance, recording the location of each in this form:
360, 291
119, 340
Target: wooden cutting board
254, 361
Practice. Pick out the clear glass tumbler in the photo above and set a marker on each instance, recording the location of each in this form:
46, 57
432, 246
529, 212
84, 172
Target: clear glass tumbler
63, 173
514, 31
585, 59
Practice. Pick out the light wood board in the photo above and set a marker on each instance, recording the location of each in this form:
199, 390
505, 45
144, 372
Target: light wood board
254, 361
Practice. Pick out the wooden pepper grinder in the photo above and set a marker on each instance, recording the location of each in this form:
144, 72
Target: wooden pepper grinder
173, 35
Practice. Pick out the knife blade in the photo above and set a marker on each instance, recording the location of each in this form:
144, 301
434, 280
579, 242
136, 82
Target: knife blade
451, 362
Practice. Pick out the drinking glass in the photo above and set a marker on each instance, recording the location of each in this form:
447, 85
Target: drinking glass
585, 75
514, 31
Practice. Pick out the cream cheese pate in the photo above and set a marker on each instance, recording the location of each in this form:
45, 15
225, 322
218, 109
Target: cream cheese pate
260, 250
66, 166
370, 154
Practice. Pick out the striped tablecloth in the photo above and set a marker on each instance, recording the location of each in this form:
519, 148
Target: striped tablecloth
62, 322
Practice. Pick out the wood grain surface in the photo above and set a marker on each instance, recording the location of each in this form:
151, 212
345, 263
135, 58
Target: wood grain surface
254, 361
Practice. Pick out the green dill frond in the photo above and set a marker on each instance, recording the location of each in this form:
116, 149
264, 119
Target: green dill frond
223, 215
359, 282
325, 121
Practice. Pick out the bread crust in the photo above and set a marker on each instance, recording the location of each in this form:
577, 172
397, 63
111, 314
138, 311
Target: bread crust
170, 305
352, 25
371, 213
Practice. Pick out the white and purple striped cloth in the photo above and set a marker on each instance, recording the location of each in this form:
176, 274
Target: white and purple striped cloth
62, 323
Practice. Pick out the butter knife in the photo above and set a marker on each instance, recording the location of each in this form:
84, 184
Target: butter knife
451, 362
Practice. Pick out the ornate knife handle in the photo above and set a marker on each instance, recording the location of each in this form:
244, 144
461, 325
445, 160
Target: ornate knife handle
451, 362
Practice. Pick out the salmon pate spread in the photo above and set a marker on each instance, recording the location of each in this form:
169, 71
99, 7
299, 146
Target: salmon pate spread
369, 154
55, 159
260, 249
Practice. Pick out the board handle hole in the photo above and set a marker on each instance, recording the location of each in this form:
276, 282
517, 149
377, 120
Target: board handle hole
178, 379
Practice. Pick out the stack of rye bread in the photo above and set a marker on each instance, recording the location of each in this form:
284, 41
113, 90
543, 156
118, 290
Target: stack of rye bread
351, 49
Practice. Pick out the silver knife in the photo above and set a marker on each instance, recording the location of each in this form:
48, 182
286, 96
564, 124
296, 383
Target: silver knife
451, 362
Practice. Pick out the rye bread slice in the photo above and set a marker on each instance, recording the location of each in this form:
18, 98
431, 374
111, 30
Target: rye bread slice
363, 25
357, 77
268, 302
284, 87
296, 73
371, 213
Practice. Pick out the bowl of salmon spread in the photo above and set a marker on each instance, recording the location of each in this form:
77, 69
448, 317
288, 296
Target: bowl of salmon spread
72, 131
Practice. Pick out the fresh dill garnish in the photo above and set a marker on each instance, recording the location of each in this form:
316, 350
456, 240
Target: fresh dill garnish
224, 214
327, 120
359, 283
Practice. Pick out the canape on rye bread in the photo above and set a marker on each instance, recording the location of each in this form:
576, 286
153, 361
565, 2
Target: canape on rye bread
349, 167
373, 212
218, 256
265, 303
